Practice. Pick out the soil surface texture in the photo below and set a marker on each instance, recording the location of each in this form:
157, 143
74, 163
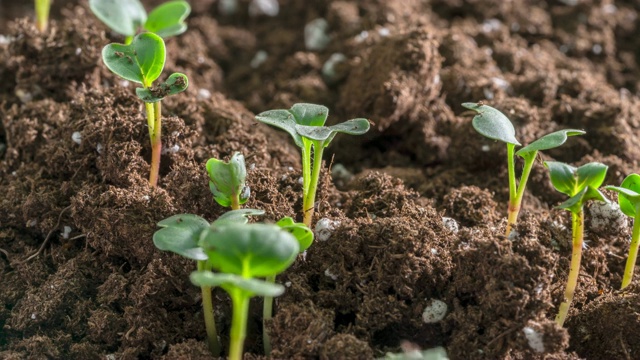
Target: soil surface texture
417, 206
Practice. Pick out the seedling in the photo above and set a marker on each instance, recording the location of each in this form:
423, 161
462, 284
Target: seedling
304, 236
305, 123
126, 17
42, 14
493, 124
180, 234
629, 200
227, 181
142, 62
242, 253
580, 184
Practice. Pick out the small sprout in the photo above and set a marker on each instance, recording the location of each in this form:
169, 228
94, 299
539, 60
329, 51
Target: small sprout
142, 62
126, 17
304, 236
242, 253
180, 234
494, 125
629, 200
305, 123
42, 14
580, 184
227, 181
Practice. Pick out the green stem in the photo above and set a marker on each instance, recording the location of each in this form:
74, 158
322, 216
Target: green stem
209, 319
577, 225
240, 302
515, 203
310, 197
306, 166
235, 201
512, 170
154, 121
633, 253
128, 40
267, 314
42, 14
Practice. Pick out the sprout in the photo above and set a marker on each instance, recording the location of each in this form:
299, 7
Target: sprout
180, 234
304, 236
126, 17
227, 181
42, 14
142, 62
305, 123
494, 125
580, 184
243, 253
629, 201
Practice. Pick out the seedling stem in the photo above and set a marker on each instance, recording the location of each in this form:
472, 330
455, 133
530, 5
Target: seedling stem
42, 14
209, 321
577, 226
240, 301
633, 253
310, 195
154, 120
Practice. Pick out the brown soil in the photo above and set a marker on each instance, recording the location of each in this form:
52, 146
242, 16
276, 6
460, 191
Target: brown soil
102, 289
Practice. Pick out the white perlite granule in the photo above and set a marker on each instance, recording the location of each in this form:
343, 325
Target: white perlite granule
325, 228
77, 137
434, 312
315, 35
450, 224
606, 215
534, 339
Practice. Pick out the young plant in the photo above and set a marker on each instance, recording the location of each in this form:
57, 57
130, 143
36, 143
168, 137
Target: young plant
126, 17
180, 234
305, 123
243, 253
629, 200
494, 125
304, 236
42, 14
142, 62
227, 181
580, 184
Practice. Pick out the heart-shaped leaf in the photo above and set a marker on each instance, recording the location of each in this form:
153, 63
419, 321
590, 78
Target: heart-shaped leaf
122, 16
327, 133
168, 19
629, 195
562, 177
251, 250
300, 231
240, 216
253, 287
575, 203
309, 114
180, 234
176, 83
591, 174
492, 123
227, 180
549, 141
142, 61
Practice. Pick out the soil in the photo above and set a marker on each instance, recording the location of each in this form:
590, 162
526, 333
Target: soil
81, 278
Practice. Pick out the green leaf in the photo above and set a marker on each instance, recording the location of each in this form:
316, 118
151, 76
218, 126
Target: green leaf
227, 180
240, 216
230, 281
282, 119
309, 114
168, 19
251, 250
575, 203
591, 174
629, 195
327, 133
492, 123
176, 83
122, 16
562, 177
549, 141
180, 234
142, 61
300, 231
